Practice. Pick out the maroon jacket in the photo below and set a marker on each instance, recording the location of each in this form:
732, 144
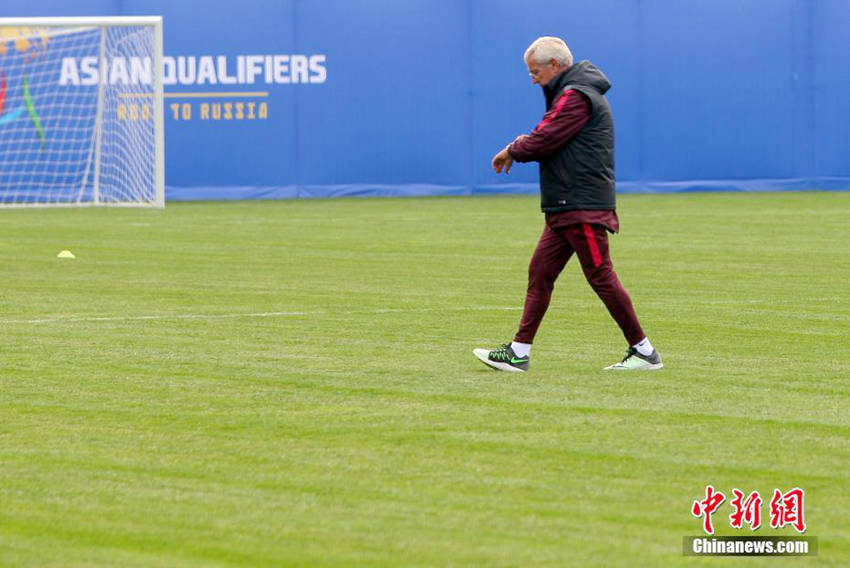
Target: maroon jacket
568, 115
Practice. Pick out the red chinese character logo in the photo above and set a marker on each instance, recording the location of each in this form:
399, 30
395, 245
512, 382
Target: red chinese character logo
746, 510
706, 507
787, 509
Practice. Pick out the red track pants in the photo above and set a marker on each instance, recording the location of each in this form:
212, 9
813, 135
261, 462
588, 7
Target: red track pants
555, 248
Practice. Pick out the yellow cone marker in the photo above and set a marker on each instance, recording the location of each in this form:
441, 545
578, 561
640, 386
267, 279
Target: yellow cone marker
65, 254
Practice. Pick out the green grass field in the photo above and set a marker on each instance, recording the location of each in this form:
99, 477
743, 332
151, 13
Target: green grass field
292, 383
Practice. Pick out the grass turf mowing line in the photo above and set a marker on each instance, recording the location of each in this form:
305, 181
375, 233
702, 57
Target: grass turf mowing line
364, 431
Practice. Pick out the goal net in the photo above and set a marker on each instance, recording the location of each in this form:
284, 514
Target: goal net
81, 117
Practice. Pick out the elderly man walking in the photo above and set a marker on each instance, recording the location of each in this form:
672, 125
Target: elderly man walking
574, 145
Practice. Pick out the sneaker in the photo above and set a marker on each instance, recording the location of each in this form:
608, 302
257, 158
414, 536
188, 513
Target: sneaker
503, 359
634, 361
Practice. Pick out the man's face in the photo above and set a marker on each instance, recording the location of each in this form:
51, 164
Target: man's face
542, 73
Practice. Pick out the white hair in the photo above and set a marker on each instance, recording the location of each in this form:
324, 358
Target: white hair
547, 47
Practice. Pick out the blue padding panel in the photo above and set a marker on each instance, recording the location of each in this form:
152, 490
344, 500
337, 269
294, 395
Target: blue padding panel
422, 190
219, 192
830, 87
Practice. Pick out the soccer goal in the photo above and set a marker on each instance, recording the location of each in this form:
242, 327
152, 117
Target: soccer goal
81, 113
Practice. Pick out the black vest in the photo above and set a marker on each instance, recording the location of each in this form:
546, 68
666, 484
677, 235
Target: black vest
581, 174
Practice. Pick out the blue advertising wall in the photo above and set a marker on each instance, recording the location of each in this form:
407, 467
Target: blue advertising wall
415, 96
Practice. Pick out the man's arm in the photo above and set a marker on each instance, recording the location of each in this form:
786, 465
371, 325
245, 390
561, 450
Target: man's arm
568, 115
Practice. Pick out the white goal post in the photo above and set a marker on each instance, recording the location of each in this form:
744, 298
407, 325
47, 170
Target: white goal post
81, 112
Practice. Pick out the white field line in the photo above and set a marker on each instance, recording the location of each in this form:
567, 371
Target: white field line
76, 318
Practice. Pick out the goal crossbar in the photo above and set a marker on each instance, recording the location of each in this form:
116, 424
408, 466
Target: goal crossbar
83, 21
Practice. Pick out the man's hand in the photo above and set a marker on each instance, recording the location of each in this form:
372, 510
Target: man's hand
502, 161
